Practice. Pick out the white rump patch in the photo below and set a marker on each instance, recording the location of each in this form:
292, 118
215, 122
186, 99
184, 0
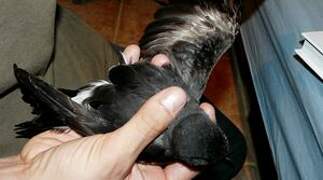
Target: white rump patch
87, 91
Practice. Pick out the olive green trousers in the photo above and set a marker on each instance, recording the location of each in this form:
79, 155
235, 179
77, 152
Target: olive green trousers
51, 42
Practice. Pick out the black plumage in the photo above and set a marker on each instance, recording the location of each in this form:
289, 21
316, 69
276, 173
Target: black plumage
131, 86
194, 36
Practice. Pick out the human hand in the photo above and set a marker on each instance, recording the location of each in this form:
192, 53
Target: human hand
51, 155
131, 55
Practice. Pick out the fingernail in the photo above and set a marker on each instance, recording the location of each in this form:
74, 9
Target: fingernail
174, 99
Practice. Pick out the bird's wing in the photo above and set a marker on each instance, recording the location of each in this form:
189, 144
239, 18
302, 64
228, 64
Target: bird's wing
55, 108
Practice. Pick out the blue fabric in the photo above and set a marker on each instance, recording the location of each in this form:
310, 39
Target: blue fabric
290, 96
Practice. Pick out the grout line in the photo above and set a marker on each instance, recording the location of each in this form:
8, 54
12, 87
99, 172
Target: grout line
116, 30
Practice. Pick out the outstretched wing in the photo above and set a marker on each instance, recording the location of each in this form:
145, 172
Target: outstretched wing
55, 109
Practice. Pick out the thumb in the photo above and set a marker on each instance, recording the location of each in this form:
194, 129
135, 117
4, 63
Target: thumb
150, 121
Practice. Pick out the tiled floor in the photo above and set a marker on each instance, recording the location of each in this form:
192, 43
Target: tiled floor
123, 22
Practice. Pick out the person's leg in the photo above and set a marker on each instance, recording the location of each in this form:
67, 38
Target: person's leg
26, 38
79, 55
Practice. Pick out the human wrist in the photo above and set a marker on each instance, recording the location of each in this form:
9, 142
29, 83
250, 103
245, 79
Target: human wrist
13, 169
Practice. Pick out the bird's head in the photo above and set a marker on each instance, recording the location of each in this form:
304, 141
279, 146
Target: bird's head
198, 141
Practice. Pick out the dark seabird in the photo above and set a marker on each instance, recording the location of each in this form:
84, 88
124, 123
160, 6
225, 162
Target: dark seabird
194, 35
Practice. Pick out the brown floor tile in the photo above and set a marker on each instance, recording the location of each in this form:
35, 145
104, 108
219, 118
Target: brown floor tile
136, 14
221, 90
